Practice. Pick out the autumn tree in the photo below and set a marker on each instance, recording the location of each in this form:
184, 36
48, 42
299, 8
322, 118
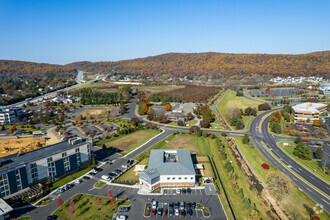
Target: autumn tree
109, 193
167, 107
317, 123
150, 111
98, 201
135, 121
321, 133
112, 202
144, 108
59, 202
205, 123
180, 123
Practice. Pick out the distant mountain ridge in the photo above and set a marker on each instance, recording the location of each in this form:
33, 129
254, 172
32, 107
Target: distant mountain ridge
211, 63
13, 67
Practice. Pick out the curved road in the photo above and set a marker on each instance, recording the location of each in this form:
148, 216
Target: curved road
270, 142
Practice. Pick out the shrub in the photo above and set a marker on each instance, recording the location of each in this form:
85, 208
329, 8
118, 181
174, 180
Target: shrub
302, 151
247, 203
223, 134
265, 166
241, 194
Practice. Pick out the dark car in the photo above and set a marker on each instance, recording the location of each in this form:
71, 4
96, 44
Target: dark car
159, 211
52, 217
189, 212
183, 213
177, 205
171, 205
188, 205
184, 191
86, 177
123, 209
171, 212
153, 212
188, 190
92, 173
193, 205
164, 212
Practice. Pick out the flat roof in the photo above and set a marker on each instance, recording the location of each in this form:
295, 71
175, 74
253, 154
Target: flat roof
308, 107
15, 160
4, 207
159, 165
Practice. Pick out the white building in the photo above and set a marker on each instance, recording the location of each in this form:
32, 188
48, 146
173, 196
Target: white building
10, 115
4, 210
168, 168
308, 110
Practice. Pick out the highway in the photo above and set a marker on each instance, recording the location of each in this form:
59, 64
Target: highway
79, 80
270, 142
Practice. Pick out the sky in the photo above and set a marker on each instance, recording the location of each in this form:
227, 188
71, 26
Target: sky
65, 31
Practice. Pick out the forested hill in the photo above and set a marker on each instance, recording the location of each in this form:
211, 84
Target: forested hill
19, 68
179, 64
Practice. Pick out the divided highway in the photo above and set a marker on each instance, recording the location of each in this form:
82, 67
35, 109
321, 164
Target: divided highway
269, 140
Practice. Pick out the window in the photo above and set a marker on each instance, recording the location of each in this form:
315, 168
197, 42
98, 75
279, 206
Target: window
64, 154
168, 178
77, 149
173, 178
186, 178
191, 178
179, 178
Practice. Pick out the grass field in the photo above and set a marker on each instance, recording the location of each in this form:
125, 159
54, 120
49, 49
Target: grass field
158, 89
69, 178
230, 100
120, 122
86, 207
293, 204
207, 172
95, 113
130, 175
131, 141
13, 145
313, 166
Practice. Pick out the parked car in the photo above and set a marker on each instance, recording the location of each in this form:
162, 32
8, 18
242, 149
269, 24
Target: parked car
52, 217
171, 212
189, 212
108, 163
178, 191
125, 166
153, 212
121, 217
164, 212
171, 205
78, 181
193, 205
176, 205
86, 177
188, 205
154, 205
182, 205
188, 190
184, 191
106, 177
177, 213
94, 171
183, 213
123, 209
159, 211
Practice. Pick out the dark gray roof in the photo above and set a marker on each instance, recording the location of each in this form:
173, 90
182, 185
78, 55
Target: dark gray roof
183, 166
15, 160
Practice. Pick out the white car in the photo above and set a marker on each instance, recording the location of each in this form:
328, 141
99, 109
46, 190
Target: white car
124, 166
105, 177
178, 191
177, 213
78, 181
154, 205
121, 217
93, 171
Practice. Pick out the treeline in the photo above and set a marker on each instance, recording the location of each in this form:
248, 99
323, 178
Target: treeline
97, 98
11, 67
213, 64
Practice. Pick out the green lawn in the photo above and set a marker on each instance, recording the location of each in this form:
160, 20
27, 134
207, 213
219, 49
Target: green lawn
313, 166
230, 100
100, 184
92, 85
130, 177
191, 122
24, 218
294, 202
126, 143
120, 122
86, 207
69, 178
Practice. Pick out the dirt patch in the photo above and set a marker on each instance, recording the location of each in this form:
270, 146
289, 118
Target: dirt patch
13, 145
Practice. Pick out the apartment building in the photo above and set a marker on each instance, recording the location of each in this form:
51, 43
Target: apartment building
10, 115
168, 168
19, 172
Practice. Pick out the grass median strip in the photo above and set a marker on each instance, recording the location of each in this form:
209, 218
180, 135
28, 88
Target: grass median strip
294, 173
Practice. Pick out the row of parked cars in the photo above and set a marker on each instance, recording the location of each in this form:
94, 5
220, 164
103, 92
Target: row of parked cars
173, 209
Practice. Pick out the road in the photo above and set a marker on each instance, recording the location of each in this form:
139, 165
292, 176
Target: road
270, 141
79, 80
